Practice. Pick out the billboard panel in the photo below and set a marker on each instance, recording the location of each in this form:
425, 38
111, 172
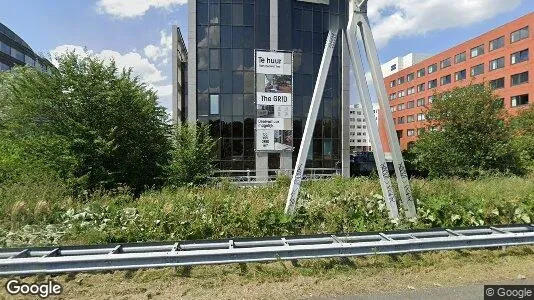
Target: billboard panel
274, 101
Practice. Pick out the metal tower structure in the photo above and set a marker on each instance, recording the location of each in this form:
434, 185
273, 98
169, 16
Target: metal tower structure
358, 24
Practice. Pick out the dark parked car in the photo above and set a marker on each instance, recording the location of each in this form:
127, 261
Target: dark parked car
363, 164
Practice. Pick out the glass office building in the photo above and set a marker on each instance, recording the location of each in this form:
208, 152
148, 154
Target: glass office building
221, 85
15, 51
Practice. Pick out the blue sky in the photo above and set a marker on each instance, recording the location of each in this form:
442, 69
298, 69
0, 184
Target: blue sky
125, 29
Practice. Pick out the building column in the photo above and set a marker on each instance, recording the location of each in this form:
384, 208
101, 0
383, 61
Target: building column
345, 107
262, 164
192, 62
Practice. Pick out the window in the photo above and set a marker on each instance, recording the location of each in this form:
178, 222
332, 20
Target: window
496, 64
400, 80
421, 72
445, 63
519, 56
519, 34
421, 102
410, 91
393, 67
410, 104
519, 100
214, 104
519, 78
410, 119
477, 70
420, 117
432, 68
393, 108
460, 57
17, 54
432, 84
5, 48
401, 93
393, 96
420, 87
393, 83
478, 50
410, 132
430, 98
3, 67
496, 43
446, 79
460, 75
352, 119
401, 120
410, 77
497, 83
400, 107
399, 133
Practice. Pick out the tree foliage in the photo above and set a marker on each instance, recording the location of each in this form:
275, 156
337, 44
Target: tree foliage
472, 136
192, 155
88, 122
523, 130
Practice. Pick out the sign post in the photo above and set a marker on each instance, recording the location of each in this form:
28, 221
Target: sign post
274, 101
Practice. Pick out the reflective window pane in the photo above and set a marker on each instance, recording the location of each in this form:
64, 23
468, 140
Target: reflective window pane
203, 105
214, 104
237, 104
215, 81
214, 59
237, 14
214, 13
215, 36
202, 58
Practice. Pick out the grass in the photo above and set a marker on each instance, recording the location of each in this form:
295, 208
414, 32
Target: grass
42, 213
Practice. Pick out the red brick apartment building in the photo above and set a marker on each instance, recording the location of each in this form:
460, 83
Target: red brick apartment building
499, 57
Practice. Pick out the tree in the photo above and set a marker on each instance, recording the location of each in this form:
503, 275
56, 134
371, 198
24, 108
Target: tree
192, 155
523, 130
94, 125
471, 136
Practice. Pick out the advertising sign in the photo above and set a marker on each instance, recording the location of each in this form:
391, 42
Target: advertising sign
274, 101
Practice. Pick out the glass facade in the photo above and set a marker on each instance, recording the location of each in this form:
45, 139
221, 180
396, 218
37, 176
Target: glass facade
227, 33
14, 51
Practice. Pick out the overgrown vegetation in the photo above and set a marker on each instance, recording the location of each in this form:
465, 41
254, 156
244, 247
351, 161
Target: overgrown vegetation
87, 156
41, 214
88, 123
192, 155
523, 140
471, 135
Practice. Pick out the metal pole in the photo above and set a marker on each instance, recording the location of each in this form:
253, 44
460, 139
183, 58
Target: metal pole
312, 117
365, 99
378, 81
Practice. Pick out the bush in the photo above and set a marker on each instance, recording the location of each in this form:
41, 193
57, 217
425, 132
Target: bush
93, 125
523, 130
472, 136
191, 156
328, 206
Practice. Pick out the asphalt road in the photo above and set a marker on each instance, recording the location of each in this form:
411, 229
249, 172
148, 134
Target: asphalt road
467, 292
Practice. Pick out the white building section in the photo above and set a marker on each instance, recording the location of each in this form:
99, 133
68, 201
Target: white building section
358, 132
399, 63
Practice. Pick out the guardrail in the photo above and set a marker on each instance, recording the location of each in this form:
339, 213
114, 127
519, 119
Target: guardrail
54, 260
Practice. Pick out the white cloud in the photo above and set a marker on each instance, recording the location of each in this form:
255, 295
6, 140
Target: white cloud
416, 17
134, 8
140, 65
161, 51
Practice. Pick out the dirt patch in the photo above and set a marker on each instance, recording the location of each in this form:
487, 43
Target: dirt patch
310, 278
